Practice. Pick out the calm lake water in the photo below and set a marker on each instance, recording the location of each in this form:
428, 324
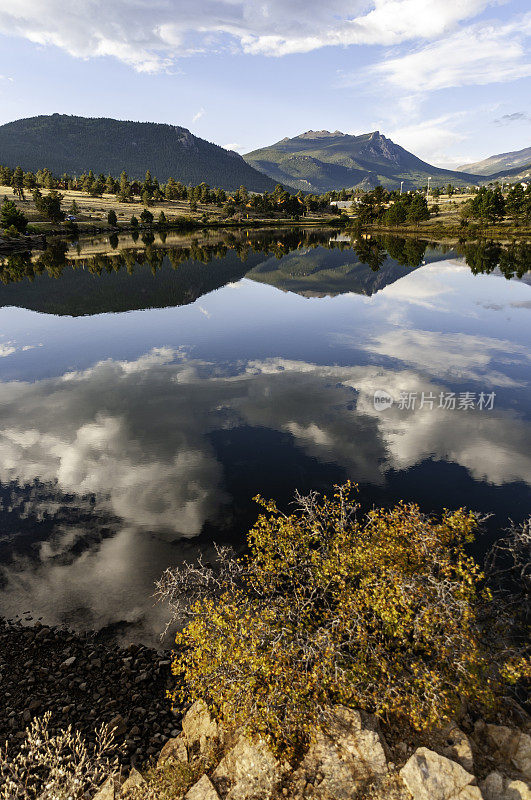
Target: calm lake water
148, 390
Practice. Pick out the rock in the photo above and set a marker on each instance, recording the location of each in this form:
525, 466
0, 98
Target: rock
174, 751
248, 770
429, 776
69, 662
202, 790
511, 747
118, 727
134, 781
459, 747
498, 787
107, 791
343, 757
199, 729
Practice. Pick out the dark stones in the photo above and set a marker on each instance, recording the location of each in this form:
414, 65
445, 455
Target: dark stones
84, 682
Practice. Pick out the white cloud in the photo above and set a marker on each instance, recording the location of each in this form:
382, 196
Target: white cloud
200, 113
234, 146
150, 34
429, 138
7, 349
476, 55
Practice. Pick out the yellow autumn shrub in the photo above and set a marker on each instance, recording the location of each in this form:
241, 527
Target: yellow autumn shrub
375, 611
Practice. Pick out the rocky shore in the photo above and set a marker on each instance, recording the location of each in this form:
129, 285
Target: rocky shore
348, 758
84, 682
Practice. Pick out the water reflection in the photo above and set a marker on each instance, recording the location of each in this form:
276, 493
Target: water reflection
314, 263
130, 441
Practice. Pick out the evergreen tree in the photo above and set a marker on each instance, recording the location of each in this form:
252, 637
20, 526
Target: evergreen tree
12, 217
488, 204
146, 217
110, 185
124, 192
49, 205
29, 180
418, 209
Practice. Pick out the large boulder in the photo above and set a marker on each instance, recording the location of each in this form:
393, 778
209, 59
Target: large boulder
173, 752
202, 790
345, 755
458, 747
107, 791
200, 731
248, 770
498, 787
430, 776
134, 781
511, 747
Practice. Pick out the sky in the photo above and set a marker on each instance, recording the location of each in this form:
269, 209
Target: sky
449, 80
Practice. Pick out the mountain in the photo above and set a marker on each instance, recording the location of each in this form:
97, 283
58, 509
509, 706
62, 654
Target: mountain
509, 175
500, 162
76, 144
317, 161
318, 272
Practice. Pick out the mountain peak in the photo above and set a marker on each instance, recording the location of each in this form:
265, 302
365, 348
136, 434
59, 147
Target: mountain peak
319, 135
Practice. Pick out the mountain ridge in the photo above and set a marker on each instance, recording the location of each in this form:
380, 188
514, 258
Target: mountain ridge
73, 144
500, 162
320, 160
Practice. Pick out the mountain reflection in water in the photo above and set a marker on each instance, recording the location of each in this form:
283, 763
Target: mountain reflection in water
129, 441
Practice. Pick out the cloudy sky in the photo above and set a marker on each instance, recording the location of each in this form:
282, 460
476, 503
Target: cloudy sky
448, 79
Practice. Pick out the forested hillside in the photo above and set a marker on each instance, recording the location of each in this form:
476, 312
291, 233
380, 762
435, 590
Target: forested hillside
70, 144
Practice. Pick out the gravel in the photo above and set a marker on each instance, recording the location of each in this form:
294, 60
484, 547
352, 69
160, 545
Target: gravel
84, 682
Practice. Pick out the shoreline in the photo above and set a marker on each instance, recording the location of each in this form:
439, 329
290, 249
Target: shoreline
436, 234
84, 680
443, 234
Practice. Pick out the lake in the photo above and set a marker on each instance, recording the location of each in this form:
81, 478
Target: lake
149, 388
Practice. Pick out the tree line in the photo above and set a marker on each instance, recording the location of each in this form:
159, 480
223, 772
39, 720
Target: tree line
484, 256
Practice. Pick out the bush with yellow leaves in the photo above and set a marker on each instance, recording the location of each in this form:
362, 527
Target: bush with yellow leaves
378, 611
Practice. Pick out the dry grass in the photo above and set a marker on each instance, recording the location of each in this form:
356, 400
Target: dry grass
94, 210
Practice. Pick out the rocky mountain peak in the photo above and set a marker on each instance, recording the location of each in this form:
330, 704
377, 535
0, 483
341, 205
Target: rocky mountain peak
378, 145
319, 134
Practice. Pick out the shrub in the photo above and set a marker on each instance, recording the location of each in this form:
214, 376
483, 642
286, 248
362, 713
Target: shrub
379, 612
112, 218
59, 767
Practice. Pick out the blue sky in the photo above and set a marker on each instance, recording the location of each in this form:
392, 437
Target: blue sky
448, 79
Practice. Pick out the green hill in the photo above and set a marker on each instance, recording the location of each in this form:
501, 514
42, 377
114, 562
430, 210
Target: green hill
317, 161
76, 144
